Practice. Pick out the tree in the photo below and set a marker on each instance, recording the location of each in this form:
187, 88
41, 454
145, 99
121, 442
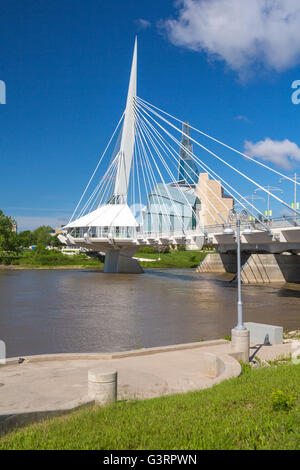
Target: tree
8, 238
55, 241
25, 239
42, 235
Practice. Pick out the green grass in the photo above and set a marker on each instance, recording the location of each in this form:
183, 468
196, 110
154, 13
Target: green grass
236, 414
51, 259
174, 259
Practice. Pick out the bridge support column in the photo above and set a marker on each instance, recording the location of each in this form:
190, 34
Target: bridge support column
268, 268
128, 265
120, 261
111, 261
220, 263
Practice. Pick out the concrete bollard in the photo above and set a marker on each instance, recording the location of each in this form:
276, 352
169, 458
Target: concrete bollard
240, 343
214, 366
102, 386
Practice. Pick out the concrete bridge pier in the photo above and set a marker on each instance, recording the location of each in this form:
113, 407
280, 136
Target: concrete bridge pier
118, 260
220, 263
256, 268
268, 268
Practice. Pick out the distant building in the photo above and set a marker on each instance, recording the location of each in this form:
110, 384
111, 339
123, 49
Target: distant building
59, 230
188, 170
14, 225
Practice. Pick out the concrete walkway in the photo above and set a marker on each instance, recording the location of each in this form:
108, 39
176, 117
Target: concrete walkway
59, 382
270, 353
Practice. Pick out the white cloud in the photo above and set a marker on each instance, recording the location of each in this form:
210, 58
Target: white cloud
142, 24
284, 154
241, 117
243, 33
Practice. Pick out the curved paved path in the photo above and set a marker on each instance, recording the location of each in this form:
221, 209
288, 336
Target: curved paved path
59, 382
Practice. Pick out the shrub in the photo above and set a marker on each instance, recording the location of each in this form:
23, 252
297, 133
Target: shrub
8, 258
282, 400
181, 248
146, 249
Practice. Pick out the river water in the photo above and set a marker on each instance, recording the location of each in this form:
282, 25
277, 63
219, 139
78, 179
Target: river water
54, 311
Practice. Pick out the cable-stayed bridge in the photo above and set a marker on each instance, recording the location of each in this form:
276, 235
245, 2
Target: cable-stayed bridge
155, 184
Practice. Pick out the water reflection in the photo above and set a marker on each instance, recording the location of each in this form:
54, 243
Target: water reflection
87, 311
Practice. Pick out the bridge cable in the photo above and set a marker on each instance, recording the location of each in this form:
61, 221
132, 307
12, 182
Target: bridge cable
229, 165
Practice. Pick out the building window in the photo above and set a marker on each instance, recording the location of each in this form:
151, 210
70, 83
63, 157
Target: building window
172, 223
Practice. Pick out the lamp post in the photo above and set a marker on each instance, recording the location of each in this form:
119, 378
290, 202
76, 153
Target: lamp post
240, 336
269, 189
237, 218
253, 198
296, 178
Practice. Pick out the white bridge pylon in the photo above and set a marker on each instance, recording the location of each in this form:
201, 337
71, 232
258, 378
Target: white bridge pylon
146, 189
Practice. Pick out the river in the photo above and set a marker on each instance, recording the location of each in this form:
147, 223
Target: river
55, 311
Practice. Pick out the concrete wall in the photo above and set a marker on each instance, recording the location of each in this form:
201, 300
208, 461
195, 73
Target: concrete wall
264, 334
212, 190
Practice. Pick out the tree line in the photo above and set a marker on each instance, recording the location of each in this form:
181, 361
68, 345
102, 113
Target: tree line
12, 241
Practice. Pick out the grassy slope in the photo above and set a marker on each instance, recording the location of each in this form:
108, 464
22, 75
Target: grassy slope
68, 262
175, 259
53, 259
236, 414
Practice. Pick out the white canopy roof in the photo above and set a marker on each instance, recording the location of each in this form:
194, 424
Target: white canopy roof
109, 215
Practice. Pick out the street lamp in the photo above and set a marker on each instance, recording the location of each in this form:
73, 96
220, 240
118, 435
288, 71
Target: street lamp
269, 189
240, 335
296, 178
253, 198
238, 217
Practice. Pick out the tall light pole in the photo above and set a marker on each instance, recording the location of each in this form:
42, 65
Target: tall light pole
237, 218
240, 336
269, 189
295, 178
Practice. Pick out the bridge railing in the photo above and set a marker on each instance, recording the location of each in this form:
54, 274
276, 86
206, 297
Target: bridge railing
282, 222
130, 233
262, 224
171, 234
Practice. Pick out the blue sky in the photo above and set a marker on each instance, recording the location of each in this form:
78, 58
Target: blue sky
66, 68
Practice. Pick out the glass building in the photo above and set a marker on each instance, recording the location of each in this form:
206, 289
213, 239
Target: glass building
171, 210
173, 207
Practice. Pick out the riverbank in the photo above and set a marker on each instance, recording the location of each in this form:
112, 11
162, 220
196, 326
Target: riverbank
54, 259
48, 259
41, 268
